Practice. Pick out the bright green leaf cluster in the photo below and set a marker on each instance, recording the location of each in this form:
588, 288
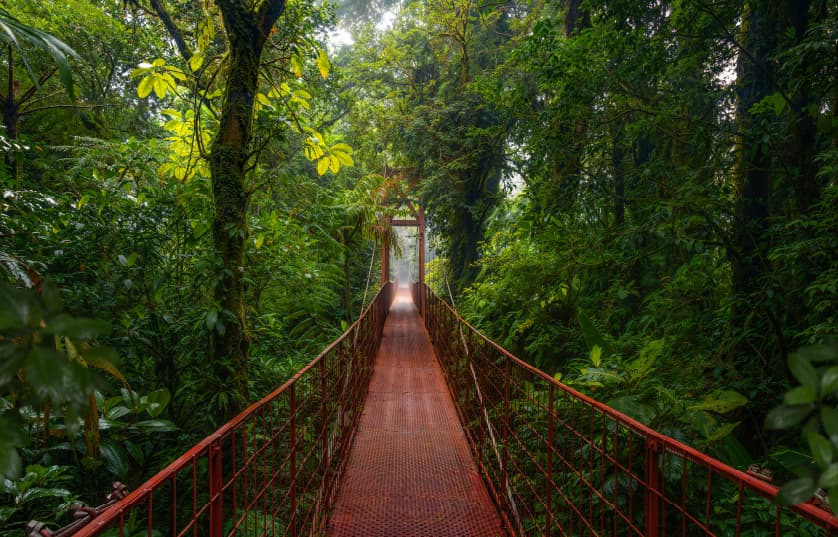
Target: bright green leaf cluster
329, 158
158, 77
185, 160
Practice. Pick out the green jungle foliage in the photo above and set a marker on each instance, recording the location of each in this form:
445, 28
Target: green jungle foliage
638, 197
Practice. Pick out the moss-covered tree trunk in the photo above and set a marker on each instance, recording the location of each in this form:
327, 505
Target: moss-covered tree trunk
247, 26
247, 31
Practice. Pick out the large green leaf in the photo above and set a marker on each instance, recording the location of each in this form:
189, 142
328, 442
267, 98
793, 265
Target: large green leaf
15, 31
11, 438
821, 449
590, 332
323, 63
829, 418
801, 395
77, 327
14, 307
825, 352
157, 402
117, 412
803, 370
115, 458
38, 493
722, 432
702, 422
631, 406
829, 477
829, 381
146, 86
156, 426
721, 402
736, 454
49, 373
134, 451
785, 416
797, 491
792, 459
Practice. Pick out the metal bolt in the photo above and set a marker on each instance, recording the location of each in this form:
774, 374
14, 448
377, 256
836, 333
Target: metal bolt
79, 511
34, 528
119, 491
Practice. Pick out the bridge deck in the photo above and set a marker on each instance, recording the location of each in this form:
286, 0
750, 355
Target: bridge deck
410, 471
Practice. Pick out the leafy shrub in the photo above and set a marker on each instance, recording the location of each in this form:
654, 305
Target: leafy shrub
39, 494
813, 404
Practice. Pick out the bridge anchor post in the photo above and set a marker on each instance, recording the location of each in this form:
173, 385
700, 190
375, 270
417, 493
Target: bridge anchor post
292, 466
548, 494
216, 481
653, 486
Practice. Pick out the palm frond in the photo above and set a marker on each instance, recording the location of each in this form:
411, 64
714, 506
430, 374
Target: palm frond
14, 31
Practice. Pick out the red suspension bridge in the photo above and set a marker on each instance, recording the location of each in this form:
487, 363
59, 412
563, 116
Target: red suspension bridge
416, 424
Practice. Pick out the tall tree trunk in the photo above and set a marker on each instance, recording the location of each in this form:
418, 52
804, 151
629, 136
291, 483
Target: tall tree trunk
228, 159
755, 81
802, 126
247, 32
619, 149
765, 23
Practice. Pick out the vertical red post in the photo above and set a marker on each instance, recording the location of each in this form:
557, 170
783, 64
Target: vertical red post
507, 400
385, 256
216, 480
324, 419
420, 223
652, 486
548, 494
468, 387
292, 467
425, 313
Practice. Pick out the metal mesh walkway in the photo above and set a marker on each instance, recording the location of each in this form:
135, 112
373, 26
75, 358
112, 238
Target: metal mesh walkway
410, 471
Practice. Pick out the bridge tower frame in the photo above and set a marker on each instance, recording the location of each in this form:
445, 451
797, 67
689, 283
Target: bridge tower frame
417, 212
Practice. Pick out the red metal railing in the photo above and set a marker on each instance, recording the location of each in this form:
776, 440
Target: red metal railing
560, 463
274, 469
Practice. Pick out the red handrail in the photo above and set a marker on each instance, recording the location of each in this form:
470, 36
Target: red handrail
272, 470
561, 463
